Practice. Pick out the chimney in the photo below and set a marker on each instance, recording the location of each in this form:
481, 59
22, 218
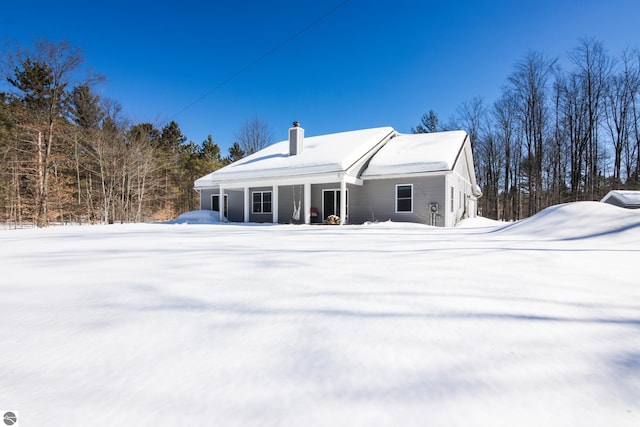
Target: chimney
296, 137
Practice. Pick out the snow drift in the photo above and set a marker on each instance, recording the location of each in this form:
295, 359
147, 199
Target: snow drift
579, 220
198, 217
531, 324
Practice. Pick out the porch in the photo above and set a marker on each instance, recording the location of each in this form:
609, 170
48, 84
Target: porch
286, 203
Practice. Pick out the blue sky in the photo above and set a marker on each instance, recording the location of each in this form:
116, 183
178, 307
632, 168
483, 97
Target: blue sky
367, 64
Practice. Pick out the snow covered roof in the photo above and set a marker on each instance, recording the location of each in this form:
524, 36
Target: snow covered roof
321, 154
388, 153
623, 198
424, 152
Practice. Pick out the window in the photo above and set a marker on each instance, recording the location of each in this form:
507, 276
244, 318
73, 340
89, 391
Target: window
452, 199
261, 202
404, 198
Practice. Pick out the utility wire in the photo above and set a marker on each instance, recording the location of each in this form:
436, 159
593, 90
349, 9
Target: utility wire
261, 57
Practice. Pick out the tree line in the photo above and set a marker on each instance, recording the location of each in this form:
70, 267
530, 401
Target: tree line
68, 155
556, 134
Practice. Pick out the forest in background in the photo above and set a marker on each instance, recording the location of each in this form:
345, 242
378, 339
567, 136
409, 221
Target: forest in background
556, 134
67, 155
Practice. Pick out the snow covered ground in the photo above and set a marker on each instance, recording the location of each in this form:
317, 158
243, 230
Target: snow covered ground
534, 323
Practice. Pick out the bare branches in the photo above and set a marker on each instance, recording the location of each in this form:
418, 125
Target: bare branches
254, 135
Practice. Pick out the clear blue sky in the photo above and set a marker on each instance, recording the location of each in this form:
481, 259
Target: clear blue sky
367, 64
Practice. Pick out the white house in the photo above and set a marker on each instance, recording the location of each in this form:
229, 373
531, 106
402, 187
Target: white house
370, 174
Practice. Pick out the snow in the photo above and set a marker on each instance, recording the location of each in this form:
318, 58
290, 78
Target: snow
197, 217
479, 222
321, 154
630, 198
425, 152
532, 323
568, 221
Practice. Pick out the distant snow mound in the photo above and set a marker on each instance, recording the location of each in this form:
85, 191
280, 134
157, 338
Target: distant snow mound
578, 220
479, 222
198, 217
393, 224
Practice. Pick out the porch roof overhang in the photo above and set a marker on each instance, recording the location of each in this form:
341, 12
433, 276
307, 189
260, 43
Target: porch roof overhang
406, 175
243, 182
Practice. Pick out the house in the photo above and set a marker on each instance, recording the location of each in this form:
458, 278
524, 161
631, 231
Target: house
623, 198
364, 175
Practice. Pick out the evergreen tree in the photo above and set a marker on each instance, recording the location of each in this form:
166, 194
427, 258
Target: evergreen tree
428, 123
85, 108
210, 151
42, 78
235, 153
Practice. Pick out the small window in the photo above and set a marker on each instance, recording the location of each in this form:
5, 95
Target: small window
261, 202
452, 200
404, 198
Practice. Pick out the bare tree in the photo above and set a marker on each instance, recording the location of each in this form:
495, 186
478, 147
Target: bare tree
557, 151
254, 135
504, 112
620, 93
593, 67
529, 86
472, 116
635, 171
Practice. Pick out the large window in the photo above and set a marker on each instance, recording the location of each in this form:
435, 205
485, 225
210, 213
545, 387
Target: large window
261, 202
404, 198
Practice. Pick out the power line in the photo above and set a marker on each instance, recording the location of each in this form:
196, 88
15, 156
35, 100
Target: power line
261, 57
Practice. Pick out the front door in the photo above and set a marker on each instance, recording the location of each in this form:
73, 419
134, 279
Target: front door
331, 203
215, 204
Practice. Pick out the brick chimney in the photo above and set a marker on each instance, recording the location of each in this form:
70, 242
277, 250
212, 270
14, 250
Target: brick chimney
296, 138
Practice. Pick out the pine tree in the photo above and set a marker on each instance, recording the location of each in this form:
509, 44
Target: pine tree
41, 79
428, 123
235, 153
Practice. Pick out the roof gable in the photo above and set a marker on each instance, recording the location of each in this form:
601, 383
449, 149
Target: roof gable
417, 153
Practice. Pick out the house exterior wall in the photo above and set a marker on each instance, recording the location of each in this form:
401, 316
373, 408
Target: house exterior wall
287, 195
376, 200
235, 208
257, 217
460, 200
457, 199
317, 200
236, 205
205, 198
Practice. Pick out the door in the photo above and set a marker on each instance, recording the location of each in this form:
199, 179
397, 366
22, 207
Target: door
215, 204
331, 203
